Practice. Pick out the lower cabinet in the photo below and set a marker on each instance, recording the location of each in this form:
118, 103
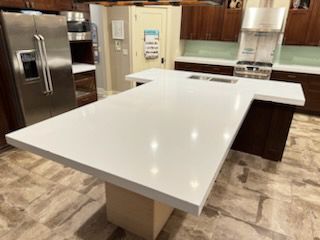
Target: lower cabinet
204, 68
311, 88
265, 130
4, 125
86, 90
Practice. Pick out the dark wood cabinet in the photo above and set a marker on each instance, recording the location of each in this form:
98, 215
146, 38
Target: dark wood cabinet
4, 124
46, 5
303, 25
265, 130
86, 90
13, 3
65, 5
297, 27
210, 23
313, 36
42, 4
231, 25
191, 22
204, 68
311, 88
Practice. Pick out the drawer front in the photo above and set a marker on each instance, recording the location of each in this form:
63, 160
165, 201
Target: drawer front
204, 68
85, 76
92, 97
288, 76
310, 84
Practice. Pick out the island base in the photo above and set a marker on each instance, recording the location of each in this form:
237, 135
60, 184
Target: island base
135, 213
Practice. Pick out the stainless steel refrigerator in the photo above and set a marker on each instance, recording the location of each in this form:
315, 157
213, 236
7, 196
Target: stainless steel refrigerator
38, 53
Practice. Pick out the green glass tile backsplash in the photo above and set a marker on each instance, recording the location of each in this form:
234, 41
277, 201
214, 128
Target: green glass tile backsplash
291, 55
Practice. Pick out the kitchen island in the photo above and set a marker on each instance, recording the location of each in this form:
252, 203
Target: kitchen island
159, 146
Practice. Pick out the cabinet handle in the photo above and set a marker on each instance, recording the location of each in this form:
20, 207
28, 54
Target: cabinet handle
31, 4
27, 4
292, 76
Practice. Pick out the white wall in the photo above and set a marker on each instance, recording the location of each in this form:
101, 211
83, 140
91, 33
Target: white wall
120, 61
98, 15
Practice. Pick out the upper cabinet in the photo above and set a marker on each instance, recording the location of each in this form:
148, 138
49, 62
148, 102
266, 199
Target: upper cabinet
13, 3
42, 4
220, 22
45, 5
303, 24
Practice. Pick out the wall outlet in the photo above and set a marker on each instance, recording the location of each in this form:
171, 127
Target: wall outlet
117, 45
125, 51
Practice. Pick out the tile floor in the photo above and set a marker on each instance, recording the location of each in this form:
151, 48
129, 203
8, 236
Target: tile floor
253, 198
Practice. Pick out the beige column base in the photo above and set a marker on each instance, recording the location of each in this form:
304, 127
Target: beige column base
135, 213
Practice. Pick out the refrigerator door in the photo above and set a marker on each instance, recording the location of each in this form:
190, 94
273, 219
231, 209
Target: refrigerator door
53, 32
29, 81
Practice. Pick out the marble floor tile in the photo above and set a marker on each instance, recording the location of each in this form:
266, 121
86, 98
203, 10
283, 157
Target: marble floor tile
10, 172
28, 230
56, 206
23, 159
233, 174
47, 168
23, 191
234, 201
10, 217
285, 218
78, 181
270, 185
307, 191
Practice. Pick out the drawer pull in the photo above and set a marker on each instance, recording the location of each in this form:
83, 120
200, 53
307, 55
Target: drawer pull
292, 76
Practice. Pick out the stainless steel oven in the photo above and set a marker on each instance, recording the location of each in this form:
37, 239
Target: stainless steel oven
79, 26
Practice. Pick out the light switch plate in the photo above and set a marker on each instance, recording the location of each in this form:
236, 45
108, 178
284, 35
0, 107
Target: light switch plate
117, 45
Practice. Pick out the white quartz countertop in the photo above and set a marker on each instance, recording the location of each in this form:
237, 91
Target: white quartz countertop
82, 67
231, 63
165, 140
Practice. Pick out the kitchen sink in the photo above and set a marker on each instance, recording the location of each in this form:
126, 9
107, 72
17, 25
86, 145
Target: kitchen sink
200, 77
211, 79
223, 80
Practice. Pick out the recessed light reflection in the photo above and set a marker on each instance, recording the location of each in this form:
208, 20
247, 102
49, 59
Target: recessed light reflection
194, 135
226, 136
154, 170
194, 184
237, 103
154, 145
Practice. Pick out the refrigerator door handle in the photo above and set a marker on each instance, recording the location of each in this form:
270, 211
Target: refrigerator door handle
46, 62
46, 84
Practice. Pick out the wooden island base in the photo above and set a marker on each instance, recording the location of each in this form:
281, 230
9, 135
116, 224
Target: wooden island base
135, 213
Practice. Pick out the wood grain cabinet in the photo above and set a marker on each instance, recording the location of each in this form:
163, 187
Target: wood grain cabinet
13, 3
231, 25
311, 88
45, 5
4, 124
303, 25
210, 23
191, 22
86, 90
204, 68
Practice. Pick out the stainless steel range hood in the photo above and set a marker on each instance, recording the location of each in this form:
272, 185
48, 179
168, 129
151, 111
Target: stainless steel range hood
263, 19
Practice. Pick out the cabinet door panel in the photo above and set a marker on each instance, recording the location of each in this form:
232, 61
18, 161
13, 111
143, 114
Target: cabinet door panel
43, 4
65, 5
13, 3
190, 22
313, 36
297, 27
211, 22
231, 25
81, 7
